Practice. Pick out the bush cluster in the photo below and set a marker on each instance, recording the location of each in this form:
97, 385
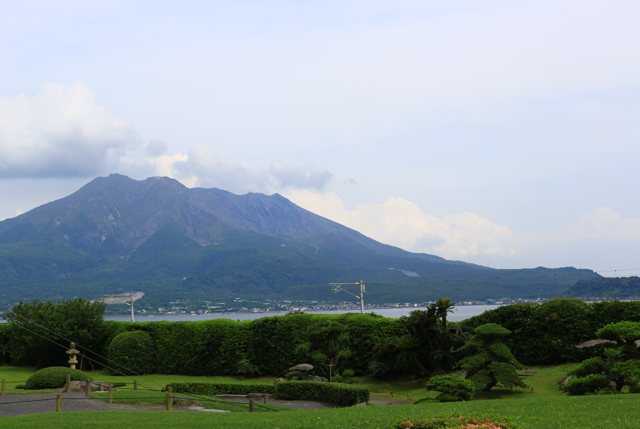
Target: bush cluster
588, 383
547, 334
332, 393
54, 377
451, 387
131, 352
209, 389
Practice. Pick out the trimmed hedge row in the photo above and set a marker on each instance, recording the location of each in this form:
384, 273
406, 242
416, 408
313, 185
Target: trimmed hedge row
332, 393
220, 388
264, 346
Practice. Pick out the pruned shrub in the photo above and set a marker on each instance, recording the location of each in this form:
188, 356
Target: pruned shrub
54, 377
587, 384
131, 352
209, 389
332, 393
451, 387
594, 365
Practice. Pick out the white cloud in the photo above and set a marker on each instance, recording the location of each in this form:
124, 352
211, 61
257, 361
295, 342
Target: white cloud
402, 223
60, 132
601, 223
201, 167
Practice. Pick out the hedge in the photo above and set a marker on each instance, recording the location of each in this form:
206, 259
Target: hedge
546, 334
332, 393
220, 388
131, 352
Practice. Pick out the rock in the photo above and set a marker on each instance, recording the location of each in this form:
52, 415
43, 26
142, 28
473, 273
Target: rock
318, 378
302, 367
77, 386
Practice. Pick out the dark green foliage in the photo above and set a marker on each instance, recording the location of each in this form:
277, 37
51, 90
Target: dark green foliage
545, 334
589, 366
451, 387
131, 352
588, 383
622, 332
40, 331
54, 377
268, 346
332, 393
423, 346
5, 329
209, 389
488, 361
618, 365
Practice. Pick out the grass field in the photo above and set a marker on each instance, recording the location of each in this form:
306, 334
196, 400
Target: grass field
544, 407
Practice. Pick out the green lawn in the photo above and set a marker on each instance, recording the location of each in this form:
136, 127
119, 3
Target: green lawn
593, 412
543, 407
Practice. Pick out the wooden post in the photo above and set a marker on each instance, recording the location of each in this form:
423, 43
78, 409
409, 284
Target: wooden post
59, 402
67, 386
135, 384
251, 405
169, 401
3, 389
110, 397
266, 398
87, 388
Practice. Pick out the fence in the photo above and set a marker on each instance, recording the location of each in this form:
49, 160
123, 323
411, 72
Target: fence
123, 393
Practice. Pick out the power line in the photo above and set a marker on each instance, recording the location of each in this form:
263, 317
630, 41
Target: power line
103, 364
617, 269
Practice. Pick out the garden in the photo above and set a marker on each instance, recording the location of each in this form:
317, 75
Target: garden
561, 364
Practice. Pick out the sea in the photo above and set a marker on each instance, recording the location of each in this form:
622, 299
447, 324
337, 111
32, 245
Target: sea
460, 312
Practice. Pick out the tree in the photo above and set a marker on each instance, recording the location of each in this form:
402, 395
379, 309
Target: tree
618, 365
488, 361
40, 331
443, 307
426, 348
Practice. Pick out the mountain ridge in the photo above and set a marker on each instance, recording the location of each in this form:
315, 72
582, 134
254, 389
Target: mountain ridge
116, 231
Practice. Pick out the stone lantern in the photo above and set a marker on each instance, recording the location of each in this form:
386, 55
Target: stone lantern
73, 355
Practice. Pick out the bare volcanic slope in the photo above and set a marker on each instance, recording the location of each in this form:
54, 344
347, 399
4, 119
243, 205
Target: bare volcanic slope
156, 235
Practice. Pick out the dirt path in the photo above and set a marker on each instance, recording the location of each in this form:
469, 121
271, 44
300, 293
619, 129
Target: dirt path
14, 405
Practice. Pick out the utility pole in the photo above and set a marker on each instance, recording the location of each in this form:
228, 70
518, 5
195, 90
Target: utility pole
337, 287
133, 318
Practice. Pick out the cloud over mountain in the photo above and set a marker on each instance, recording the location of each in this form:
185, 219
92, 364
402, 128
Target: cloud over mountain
402, 223
60, 132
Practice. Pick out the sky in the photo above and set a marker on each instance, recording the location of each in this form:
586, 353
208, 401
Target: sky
497, 132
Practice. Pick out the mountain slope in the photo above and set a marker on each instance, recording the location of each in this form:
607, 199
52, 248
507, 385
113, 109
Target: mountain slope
155, 235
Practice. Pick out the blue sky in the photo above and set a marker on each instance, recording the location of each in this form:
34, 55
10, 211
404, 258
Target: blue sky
498, 132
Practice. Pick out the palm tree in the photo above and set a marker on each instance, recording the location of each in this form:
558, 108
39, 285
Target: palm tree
444, 306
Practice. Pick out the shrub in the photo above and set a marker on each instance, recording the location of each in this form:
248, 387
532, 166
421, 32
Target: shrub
452, 387
54, 377
587, 384
131, 352
209, 389
332, 393
592, 365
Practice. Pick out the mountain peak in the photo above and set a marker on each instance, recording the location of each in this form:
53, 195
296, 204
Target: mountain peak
116, 231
